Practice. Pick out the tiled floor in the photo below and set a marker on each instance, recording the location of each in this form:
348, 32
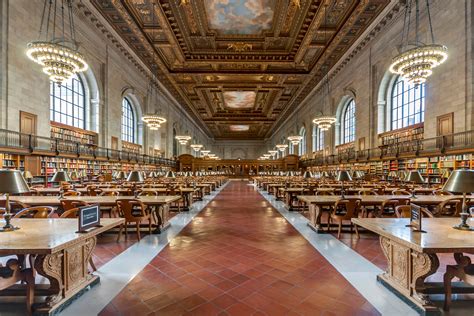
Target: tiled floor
239, 256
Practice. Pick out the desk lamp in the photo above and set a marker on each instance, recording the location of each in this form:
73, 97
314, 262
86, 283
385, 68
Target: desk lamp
342, 176
461, 181
61, 177
11, 182
135, 176
120, 175
28, 176
414, 177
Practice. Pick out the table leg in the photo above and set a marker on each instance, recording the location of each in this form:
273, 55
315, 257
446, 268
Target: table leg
407, 271
315, 218
163, 214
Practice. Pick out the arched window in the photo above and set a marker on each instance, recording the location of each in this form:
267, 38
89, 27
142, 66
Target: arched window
302, 144
129, 122
348, 123
318, 138
67, 102
291, 148
407, 104
175, 143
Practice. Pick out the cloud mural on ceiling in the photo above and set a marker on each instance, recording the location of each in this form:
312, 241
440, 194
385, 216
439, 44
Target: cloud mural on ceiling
239, 99
239, 128
240, 16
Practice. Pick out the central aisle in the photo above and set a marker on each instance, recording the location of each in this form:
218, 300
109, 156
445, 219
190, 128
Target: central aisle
239, 256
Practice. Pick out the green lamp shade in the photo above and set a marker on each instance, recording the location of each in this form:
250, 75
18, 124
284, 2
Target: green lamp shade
460, 181
60, 176
11, 181
135, 176
414, 176
343, 175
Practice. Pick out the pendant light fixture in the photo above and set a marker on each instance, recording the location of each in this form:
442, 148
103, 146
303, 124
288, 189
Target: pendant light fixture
282, 147
295, 139
324, 122
55, 50
153, 120
196, 147
417, 60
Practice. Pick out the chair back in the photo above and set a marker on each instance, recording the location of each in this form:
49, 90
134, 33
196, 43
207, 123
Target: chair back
404, 211
441, 192
109, 193
130, 209
324, 193
72, 193
401, 192
72, 213
368, 192
68, 204
449, 207
347, 207
35, 212
148, 193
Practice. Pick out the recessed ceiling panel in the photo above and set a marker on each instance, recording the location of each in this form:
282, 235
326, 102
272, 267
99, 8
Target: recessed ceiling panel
240, 16
239, 128
239, 100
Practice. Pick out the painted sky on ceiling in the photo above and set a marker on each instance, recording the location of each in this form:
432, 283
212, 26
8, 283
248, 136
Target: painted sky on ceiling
239, 99
240, 16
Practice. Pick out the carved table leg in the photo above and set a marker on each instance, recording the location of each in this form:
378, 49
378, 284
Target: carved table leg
163, 214
51, 266
315, 218
407, 270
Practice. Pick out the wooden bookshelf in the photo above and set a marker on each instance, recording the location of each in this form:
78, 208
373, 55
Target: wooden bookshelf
389, 140
73, 134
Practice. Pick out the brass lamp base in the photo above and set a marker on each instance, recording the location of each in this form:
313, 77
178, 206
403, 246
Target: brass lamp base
463, 227
8, 229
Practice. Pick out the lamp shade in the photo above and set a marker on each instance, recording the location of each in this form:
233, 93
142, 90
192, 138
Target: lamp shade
344, 175
27, 175
120, 175
11, 181
414, 176
135, 176
73, 175
460, 181
170, 174
60, 176
325, 174
392, 174
307, 175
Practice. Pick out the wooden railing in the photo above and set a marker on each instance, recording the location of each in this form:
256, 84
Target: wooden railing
436, 146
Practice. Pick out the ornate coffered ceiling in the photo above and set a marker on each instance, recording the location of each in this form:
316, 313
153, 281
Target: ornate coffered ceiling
236, 63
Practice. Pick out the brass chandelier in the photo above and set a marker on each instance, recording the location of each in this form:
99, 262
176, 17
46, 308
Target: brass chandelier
56, 52
153, 120
196, 147
417, 60
282, 147
183, 139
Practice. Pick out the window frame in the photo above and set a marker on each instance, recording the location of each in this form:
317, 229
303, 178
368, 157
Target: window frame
129, 122
407, 104
66, 107
348, 122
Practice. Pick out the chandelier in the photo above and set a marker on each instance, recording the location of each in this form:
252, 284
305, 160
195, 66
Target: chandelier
205, 152
296, 139
324, 122
417, 60
273, 152
57, 55
266, 156
153, 121
196, 147
282, 147
183, 140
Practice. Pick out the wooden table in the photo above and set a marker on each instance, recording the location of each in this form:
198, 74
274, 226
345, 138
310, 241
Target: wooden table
291, 195
315, 202
412, 256
159, 204
61, 255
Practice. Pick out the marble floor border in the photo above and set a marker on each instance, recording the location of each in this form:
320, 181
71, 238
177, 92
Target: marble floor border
118, 272
361, 273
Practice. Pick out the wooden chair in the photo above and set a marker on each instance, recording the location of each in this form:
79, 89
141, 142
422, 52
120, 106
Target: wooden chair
400, 192
368, 209
13, 273
464, 270
68, 204
134, 211
344, 210
72, 193
35, 212
175, 191
111, 210
147, 193
387, 209
449, 207
404, 211
441, 192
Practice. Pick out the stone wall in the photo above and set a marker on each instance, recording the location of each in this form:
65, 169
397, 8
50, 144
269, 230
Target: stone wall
448, 90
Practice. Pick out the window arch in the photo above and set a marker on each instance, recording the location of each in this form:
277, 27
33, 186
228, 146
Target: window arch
291, 148
302, 144
348, 123
407, 104
129, 122
318, 138
68, 102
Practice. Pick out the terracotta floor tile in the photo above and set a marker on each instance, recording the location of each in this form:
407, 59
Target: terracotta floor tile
240, 257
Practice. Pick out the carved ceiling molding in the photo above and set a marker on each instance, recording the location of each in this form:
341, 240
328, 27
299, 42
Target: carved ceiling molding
281, 63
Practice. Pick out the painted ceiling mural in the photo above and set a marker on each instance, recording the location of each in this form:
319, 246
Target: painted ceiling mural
239, 16
239, 128
239, 62
239, 99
